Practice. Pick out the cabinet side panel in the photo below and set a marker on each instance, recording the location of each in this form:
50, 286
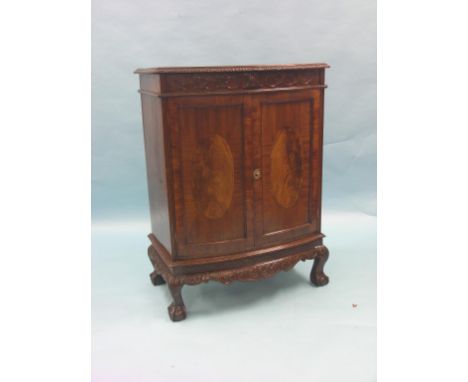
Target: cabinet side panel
156, 169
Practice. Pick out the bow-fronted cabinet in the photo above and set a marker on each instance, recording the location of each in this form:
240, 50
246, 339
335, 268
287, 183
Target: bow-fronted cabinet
234, 166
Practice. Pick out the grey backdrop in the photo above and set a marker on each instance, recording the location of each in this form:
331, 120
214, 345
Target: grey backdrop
277, 329
127, 34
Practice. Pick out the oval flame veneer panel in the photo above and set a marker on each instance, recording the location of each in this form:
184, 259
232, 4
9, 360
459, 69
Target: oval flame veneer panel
286, 168
213, 177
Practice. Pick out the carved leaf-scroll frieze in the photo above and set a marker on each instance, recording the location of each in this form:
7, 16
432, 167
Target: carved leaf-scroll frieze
207, 82
286, 168
213, 177
247, 273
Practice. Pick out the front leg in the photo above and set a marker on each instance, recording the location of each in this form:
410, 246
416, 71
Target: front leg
317, 276
177, 308
156, 278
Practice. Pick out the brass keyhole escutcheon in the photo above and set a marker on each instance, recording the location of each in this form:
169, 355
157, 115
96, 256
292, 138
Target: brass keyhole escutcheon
257, 174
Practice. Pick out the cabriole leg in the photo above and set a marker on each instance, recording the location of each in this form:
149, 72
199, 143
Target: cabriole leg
177, 308
317, 276
156, 278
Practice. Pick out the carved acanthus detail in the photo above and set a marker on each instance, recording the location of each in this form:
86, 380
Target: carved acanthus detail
201, 82
247, 273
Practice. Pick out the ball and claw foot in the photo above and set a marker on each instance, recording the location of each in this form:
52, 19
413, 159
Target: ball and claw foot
156, 278
317, 276
177, 312
177, 308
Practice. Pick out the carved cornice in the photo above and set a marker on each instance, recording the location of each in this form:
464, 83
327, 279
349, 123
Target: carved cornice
235, 81
224, 69
247, 273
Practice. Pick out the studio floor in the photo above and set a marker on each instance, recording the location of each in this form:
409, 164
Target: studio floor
279, 329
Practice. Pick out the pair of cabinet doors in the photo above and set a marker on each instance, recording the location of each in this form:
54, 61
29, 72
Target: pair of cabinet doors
246, 170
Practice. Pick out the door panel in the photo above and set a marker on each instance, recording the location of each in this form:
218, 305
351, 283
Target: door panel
213, 215
288, 137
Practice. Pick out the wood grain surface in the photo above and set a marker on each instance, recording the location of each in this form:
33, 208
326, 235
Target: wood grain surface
286, 167
213, 177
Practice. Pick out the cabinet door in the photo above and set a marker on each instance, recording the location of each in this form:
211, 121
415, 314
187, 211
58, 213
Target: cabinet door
287, 159
210, 150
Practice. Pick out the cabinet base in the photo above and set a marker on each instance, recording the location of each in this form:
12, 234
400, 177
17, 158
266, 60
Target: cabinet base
262, 268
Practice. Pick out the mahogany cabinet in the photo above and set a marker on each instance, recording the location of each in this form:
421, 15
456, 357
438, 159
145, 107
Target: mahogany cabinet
234, 166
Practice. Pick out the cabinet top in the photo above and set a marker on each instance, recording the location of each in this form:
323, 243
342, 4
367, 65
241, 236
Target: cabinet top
220, 69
